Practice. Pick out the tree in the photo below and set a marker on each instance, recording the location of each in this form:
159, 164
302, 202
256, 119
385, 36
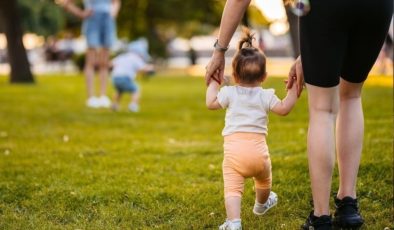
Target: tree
159, 21
42, 17
9, 17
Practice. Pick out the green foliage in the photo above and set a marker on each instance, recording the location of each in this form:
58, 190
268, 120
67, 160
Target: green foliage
160, 21
64, 166
43, 17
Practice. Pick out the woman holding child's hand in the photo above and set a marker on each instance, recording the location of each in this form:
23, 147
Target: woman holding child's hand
340, 41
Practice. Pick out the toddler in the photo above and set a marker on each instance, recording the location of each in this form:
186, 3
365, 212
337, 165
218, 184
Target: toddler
245, 149
125, 69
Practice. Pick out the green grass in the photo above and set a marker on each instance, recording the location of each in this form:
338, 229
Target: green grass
160, 168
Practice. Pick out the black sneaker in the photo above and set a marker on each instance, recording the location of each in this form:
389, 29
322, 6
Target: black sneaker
317, 223
346, 214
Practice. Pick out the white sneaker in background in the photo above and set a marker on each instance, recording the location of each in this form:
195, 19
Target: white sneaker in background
260, 209
133, 107
231, 225
92, 102
104, 101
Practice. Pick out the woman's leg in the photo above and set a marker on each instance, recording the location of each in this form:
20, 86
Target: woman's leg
349, 136
90, 62
103, 70
323, 107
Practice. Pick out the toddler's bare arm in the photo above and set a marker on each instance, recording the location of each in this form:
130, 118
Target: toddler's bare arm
211, 96
284, 107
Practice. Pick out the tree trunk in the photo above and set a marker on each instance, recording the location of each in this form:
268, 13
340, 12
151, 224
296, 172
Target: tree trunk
20, 67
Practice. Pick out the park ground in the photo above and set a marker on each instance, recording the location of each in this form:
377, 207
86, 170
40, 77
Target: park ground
65, 166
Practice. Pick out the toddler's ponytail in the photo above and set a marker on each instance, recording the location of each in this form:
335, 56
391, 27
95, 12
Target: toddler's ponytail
247, 39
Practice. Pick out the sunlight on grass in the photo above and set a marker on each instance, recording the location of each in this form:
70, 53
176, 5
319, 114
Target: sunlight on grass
385, 81
64, 166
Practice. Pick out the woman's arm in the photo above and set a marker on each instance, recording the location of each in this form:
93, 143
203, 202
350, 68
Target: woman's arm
233, 12
232, 15
70, 6
115, 8
284, 107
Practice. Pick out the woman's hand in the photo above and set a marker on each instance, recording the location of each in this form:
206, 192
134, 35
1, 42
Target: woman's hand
215, 67
296, 75
115, 7
85, 14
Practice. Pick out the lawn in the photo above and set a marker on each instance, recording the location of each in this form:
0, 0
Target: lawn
65, 166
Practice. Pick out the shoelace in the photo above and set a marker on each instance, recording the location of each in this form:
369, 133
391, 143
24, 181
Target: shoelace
268, 203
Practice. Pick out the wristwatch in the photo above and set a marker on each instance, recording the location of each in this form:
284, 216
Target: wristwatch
218, 47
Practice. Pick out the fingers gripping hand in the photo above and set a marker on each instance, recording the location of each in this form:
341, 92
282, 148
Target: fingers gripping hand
299, 76
296, 75
215, 69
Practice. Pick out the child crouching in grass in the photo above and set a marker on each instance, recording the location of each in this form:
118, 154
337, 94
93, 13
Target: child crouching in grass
124, 72
246, 152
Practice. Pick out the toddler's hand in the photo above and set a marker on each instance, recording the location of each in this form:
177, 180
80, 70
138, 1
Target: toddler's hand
217, 77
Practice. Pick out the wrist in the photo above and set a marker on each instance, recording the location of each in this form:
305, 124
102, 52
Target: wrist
219, 47
217, 53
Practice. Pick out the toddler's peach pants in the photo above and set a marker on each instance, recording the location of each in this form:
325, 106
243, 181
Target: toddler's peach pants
245, 155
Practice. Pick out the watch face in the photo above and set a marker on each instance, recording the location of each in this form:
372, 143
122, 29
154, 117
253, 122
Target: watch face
301, 7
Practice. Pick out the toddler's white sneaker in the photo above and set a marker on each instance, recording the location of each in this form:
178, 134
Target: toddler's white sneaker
260, 209
133, 107
93, 102
231, 225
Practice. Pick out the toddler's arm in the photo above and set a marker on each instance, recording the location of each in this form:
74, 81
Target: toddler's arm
284, 107
211, 96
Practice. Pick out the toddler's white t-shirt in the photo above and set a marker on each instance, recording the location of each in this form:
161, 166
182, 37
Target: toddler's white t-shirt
247, 108
127, 64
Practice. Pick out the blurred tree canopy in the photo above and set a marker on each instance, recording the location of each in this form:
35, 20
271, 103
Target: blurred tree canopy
160, 21
43, 17
157, 20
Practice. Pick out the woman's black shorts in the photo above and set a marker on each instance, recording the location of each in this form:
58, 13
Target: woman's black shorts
342, 39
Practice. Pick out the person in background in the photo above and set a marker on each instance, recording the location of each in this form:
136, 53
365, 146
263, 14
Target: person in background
99, 29
124, 72
340, 41
386, 54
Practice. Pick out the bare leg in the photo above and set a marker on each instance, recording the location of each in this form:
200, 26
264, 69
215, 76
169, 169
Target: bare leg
135, 97
103, 70
323, 106
349, 137
382, 61
116, 101
233, 207
89, 71
262, 195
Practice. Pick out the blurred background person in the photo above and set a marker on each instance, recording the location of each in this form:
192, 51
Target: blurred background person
99, 29
125, 69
